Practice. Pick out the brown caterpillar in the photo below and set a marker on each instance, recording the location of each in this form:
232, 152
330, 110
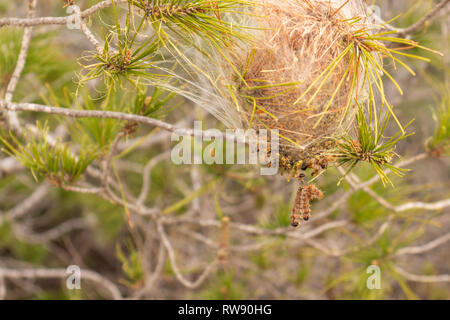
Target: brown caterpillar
302, 206
318, 164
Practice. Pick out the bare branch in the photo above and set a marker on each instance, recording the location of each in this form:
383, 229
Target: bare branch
26, 39
108, 162
426, 247
71, 113
174, 265
25, 22
146, 176
52, 234
90, 36
89, 114
421, 278
29, 203
288, 232
61, 273
439, 205
356, 183
419, 24
9, 166
85, 190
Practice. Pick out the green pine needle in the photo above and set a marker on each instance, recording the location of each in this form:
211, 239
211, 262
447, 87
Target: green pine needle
371, 146
439, 143
55, 162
